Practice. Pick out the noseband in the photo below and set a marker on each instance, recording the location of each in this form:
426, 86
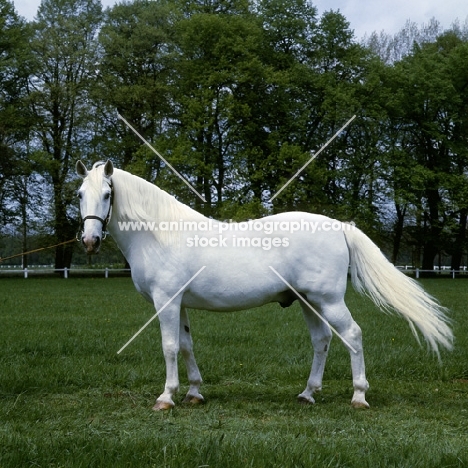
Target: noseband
104, 222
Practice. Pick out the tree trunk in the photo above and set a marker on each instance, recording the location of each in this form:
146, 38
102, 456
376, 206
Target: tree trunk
460, 240
431, 242
24, 218
64, 230
398, 231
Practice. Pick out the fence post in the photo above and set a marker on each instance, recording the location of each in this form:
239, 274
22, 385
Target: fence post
65, 272
106, 273
25, 273
417, 273
453, 274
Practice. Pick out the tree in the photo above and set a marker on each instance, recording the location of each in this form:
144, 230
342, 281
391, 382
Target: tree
392, 49
218, 55
64, 48
343, 86
429, 111
13, 76
14, 121
136, 48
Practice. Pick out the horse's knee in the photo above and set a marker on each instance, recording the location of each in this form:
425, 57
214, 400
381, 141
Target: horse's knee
170, 349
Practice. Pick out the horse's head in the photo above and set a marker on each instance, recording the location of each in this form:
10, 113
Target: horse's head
95, 196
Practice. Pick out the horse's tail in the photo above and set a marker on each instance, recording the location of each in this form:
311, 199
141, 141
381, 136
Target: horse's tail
392, 290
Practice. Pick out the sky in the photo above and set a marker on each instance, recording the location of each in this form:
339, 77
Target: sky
365, 16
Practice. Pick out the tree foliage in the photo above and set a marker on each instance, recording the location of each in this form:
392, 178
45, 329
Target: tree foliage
63, 47
238, 95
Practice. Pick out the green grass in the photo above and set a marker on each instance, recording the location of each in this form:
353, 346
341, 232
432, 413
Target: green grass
68, 400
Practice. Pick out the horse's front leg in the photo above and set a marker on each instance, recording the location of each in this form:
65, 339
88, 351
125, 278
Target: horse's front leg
169, 320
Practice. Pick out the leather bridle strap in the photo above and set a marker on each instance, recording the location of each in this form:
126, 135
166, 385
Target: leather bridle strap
104, 222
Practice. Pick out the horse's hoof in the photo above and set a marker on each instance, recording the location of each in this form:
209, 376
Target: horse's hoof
360, 404
303, 400
162, 406
194, 400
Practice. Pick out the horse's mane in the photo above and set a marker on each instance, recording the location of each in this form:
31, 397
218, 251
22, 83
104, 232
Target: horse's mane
137, 200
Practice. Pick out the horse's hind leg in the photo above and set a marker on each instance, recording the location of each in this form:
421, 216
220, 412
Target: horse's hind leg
320, 335
186, 347
338, 316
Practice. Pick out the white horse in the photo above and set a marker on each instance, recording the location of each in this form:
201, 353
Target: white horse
227, 267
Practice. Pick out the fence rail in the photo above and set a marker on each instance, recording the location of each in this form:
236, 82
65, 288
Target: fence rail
65, 272
108, 272
436, 272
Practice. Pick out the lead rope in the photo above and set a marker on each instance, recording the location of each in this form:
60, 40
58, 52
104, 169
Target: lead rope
37, 250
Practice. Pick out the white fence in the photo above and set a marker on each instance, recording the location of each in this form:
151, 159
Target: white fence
438, 271
65, 272
107, 272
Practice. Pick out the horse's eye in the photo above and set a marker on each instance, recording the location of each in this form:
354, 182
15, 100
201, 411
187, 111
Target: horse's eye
106, 196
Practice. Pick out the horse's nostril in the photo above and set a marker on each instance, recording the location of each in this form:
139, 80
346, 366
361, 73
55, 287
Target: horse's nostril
91, 243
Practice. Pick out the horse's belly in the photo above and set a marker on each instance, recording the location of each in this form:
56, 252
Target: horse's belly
230, 302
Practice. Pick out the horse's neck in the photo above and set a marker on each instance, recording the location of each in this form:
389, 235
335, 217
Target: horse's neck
139, 210
140, 199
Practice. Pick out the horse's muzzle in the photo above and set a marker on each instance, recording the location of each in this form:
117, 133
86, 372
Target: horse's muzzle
91, 243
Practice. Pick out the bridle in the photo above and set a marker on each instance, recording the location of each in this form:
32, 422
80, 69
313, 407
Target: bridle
104, 221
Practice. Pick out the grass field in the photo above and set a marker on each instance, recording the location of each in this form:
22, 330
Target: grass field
68, 400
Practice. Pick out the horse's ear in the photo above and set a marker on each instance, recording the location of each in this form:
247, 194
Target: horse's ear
108, 168
81, 169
